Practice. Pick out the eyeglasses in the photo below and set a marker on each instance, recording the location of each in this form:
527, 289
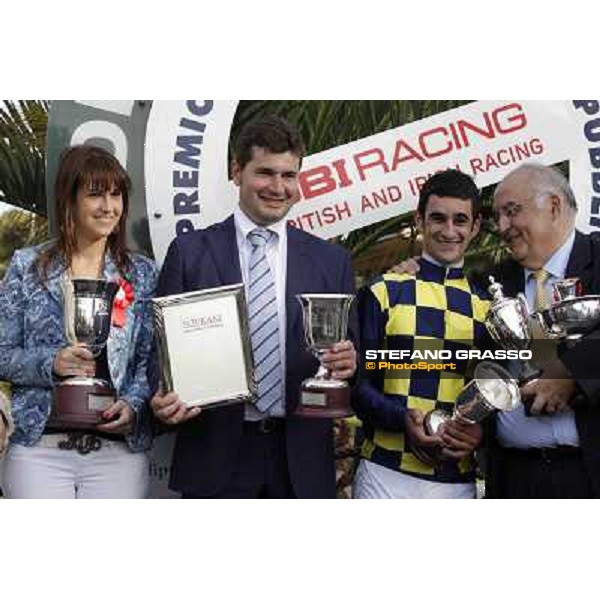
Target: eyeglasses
511, 211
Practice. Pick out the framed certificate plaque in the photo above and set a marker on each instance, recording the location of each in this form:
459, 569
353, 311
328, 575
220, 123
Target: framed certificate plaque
204, 346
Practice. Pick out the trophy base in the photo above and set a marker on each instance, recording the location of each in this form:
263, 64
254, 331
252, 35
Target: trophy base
324, 399
79, 402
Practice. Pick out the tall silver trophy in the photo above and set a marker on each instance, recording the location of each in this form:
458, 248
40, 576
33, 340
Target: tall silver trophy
80, 401
325, 318
508, 323
492, 389
571, 315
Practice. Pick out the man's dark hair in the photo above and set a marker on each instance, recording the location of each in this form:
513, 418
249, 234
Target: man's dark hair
272, 133
452, 184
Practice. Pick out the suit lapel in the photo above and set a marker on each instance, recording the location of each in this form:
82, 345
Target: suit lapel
224, 252
580, 261
513, 278
299, 268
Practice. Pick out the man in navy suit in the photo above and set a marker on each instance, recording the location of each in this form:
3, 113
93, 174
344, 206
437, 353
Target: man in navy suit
242, 451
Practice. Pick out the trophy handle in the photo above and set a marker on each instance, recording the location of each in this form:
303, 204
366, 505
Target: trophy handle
523, 306
551, 330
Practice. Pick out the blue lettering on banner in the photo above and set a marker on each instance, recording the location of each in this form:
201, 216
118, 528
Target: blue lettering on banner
187, 154
591, 130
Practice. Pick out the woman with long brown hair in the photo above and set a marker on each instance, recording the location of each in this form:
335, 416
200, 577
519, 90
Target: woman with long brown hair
52, 453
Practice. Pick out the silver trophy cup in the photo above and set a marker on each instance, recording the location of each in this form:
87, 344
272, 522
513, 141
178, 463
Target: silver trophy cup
508, 323
570, 316
492, 389
80, 401
325, 318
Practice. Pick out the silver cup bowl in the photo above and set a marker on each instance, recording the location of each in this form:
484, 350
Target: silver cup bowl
570, 318
491, 390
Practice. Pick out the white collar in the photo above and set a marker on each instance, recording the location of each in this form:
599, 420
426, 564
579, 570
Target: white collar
245, 224
457, 265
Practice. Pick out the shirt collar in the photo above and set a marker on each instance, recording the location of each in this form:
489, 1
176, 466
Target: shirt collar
434, 268
556, 265
244, 224
457, 265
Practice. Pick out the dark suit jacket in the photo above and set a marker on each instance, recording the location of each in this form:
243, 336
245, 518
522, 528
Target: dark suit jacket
581, 360
206, 447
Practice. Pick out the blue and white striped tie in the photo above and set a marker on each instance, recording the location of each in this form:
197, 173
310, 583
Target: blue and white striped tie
264, 324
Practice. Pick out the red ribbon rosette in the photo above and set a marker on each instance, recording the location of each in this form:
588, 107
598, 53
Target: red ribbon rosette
124, 298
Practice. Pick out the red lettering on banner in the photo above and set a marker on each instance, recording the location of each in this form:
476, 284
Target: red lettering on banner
316, 181
340, 169
476, 166
503, 161
362, 167
320, 180
411, 154
430, 143
455, 138
465, 126
432, 153
506, 156
417, 183
382, 197
326, 216
518, 118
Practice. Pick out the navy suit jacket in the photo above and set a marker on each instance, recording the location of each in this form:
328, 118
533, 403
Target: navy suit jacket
206, 447
581, 359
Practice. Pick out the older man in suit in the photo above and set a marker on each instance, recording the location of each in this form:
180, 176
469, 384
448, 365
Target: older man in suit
263, 450
553, 452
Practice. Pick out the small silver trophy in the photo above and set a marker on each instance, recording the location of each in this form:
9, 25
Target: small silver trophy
507, 322
571, 315
80, 401
325, 318
491, 389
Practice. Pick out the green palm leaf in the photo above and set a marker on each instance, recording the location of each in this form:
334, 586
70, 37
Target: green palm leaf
23, 126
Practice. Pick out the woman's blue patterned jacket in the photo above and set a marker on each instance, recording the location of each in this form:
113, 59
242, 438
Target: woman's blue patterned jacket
32, 332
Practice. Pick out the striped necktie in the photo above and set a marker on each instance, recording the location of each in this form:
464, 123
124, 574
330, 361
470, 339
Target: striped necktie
264, 325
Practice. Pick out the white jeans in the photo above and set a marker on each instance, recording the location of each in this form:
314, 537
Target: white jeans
45, 471
374, 481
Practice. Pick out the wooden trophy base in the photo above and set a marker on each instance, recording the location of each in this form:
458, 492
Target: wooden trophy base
322, 401
78, 403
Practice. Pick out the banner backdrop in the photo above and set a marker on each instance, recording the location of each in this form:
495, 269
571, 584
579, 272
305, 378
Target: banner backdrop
176, 154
